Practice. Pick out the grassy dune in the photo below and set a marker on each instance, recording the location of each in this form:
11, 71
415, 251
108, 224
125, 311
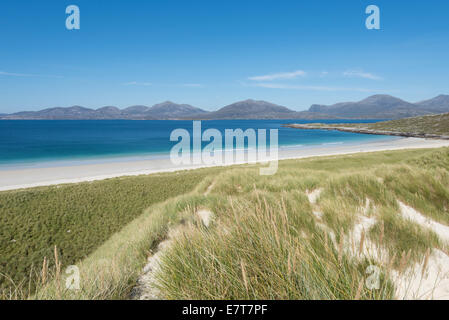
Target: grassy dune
432, 124
437, 124
268, 241
77, 218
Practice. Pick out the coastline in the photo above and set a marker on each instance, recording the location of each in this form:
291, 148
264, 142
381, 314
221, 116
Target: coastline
341, 128
37, 177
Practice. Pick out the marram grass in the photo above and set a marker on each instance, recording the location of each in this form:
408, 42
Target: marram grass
265, 241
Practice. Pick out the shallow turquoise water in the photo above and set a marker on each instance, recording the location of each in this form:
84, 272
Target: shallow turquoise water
32, 143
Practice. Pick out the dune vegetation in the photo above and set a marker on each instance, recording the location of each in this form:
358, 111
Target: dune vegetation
76, 218
432, 124
429, 126
320, 228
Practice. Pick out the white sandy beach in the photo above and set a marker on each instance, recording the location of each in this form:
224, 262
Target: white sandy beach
34, 177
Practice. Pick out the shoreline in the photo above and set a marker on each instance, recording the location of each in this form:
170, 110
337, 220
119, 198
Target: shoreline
341, 128
39, 177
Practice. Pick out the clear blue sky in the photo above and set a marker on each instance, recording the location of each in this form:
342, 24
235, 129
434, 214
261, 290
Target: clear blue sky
210, 53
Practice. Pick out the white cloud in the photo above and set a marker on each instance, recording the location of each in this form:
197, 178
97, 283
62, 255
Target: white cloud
192, 85
361, 74
13, 74
135, 83
276, 76
311, 88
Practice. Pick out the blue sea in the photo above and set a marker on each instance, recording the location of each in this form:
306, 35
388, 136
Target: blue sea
41, 143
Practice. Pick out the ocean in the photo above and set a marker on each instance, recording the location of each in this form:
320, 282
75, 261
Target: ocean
42, 143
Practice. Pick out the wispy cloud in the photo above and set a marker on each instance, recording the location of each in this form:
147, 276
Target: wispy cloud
14, 74
277, 76
311, 88
192, 85
361, 74
136, 83
11, 74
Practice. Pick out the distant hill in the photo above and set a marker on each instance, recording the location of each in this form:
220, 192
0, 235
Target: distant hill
434, 126
75, 113
438, 104
250, 109
377, 107
135, 110
165, 110
170, 110
308, 115
437, 124
254, 109
373, 107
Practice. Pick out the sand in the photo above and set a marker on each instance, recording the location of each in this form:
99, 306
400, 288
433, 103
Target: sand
34, 177
425, 281
440, 229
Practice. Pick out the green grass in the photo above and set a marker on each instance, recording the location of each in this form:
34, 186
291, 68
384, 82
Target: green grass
264, 242
425, 190
262, 247
401, 236
433, 124
343, 197
77, 218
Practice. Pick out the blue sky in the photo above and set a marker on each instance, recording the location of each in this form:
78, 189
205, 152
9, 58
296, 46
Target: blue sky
215, 52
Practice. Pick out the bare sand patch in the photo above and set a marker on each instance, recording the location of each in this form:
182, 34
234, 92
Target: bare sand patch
205, 216
428, 280
440, 229
314, 195
146, 286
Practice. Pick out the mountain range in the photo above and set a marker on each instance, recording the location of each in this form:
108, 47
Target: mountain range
373, 107
384, 107
162, 111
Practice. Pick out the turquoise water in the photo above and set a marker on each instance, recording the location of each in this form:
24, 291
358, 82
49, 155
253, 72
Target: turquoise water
46, 143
